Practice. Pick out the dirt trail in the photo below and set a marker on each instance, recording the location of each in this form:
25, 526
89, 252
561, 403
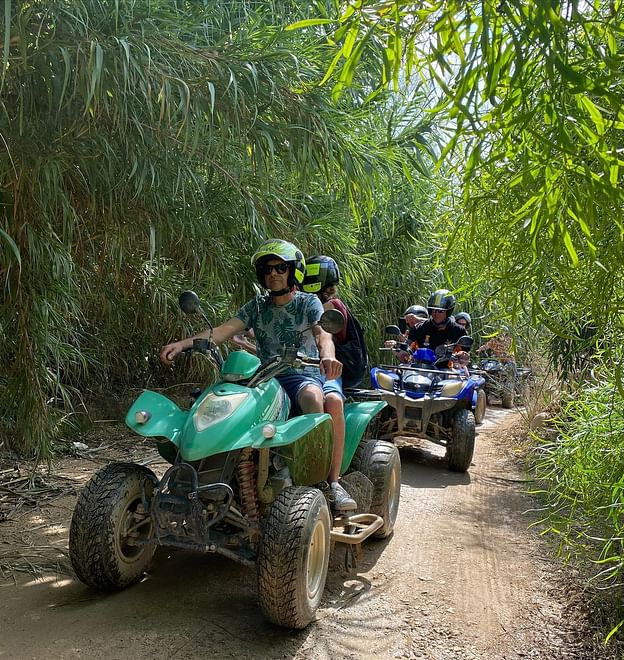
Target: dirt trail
462, 577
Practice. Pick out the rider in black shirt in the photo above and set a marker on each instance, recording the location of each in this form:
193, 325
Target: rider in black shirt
441, 328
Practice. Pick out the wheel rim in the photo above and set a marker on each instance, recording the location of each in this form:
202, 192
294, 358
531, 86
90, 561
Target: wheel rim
317, 559
132, 527
480, 408
394, 494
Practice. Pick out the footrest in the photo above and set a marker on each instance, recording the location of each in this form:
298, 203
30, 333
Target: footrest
357, 527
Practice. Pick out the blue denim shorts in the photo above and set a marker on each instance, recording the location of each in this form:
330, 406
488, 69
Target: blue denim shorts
294, 383
334, 386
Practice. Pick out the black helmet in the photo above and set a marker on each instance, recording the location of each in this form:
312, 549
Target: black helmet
442, 299
320, 272
417, 310
465, 316
278, 249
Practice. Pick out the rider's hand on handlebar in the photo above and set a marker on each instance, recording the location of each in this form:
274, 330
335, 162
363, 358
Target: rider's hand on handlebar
169, 352
331, 368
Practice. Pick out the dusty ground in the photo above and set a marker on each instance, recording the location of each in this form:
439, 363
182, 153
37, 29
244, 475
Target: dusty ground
462, 577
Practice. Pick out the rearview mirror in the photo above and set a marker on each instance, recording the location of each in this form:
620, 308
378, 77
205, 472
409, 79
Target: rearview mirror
392, 330
332, 321
189, 302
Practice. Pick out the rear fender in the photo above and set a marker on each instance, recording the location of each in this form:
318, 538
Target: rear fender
166, 420
358, 416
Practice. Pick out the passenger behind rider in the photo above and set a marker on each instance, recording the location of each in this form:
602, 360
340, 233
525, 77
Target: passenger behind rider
285, 316
322, 277
440, 329
463, 319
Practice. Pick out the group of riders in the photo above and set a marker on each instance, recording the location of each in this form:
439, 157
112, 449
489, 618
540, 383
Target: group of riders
298, 292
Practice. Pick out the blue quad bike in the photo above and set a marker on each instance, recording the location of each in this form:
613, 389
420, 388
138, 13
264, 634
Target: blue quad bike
430, 401
246, 480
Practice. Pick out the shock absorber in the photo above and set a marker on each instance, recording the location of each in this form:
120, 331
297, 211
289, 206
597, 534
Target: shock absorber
246, 473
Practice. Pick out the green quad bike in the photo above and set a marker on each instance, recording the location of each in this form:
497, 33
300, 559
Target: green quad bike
246, 481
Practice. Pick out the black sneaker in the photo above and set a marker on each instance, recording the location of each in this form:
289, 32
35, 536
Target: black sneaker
342, 501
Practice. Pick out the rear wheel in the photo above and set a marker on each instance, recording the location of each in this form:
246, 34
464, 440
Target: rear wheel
479, 413
460, 447
294, 557
110, 529
380, 462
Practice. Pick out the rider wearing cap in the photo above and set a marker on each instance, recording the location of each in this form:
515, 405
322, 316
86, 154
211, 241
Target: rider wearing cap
415, 316
440, 328
285, 317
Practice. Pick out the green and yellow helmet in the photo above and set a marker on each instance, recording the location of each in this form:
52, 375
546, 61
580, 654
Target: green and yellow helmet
320, 272
275, 248
441, 299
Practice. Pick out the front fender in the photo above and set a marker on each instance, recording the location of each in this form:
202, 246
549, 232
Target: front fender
358, 416
306, 442
166, 419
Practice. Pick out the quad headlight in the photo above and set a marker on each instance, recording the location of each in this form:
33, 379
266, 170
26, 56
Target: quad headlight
215, 408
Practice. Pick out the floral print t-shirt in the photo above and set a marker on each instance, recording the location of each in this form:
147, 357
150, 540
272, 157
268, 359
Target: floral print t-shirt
276, 326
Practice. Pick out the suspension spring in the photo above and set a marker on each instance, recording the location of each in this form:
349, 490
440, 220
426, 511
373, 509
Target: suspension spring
246, 473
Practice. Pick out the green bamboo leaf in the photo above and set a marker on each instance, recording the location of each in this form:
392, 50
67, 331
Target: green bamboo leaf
331, 67
212, 92
96, 58
350, 39
12, 245
613, 631
583, 225
309, 22
67, 73
594, 112
7, 41
567, 240
614, 173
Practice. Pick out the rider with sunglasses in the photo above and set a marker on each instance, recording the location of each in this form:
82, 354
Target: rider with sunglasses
441, 327
285, 317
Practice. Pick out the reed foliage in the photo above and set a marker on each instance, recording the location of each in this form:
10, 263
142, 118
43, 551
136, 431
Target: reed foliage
147, 147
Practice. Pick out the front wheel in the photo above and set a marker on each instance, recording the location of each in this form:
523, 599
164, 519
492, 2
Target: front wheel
294, 557
460, 447
380, 462
110, 530
480, 407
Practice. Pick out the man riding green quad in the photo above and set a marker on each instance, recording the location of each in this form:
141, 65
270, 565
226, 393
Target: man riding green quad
247, 480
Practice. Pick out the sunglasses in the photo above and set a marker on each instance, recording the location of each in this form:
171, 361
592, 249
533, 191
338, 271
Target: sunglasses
278, 268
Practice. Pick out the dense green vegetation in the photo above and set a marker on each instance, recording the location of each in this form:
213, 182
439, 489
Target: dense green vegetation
146, 147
